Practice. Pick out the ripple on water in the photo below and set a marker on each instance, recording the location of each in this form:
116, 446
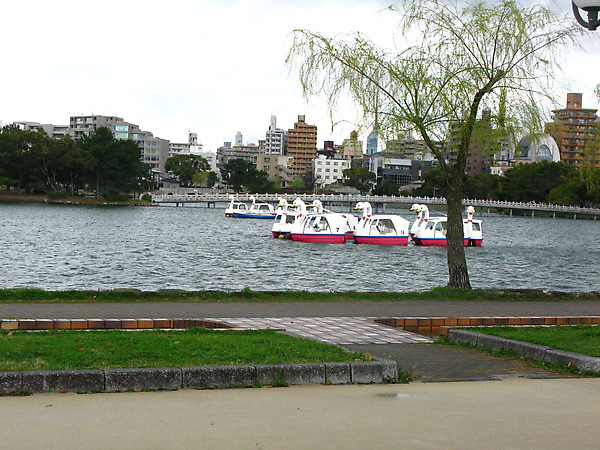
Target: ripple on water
66, 247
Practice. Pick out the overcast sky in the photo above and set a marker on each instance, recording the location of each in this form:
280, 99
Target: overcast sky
214, 67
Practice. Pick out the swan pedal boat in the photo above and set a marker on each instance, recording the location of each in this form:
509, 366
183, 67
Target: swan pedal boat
324, 226
287, 214
235, 207
257, 210
432, 230
380, 229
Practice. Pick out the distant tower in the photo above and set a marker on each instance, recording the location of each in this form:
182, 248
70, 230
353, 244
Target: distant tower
239, 141
372, 143
302, 146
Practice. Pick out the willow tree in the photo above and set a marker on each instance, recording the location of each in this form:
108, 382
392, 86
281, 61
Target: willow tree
457, 60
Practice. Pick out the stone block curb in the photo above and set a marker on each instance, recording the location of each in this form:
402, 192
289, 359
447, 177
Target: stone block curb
533, 351
202, 377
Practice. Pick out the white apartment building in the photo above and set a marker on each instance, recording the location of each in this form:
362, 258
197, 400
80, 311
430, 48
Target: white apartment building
155, 151
328, 171
276, 139
54, 131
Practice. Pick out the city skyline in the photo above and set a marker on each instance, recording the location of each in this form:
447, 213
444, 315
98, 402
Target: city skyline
210, 67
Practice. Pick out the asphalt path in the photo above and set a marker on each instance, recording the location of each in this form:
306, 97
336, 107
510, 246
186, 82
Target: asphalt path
512, 414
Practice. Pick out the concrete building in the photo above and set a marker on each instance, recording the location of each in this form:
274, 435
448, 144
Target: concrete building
276, 167
191, 147
397, 169
576, 131
247, 152
352, 148
486, 144
54, 131
411, 148
276, 139
155, 151
328, 171
302, 147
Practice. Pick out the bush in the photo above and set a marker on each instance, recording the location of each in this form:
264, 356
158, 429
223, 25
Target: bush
55, 195
116, 197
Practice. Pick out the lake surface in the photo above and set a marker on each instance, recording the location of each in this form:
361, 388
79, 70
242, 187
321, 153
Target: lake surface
59, 247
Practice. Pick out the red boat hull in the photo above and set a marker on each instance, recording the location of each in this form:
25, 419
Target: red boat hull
324, 238
444, 243
382, 240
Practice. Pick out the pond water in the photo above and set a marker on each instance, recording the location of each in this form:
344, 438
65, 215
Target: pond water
58, 247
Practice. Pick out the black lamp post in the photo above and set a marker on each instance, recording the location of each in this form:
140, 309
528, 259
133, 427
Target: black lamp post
591, 7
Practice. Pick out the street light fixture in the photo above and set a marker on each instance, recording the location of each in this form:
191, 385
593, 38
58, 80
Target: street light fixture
591, 7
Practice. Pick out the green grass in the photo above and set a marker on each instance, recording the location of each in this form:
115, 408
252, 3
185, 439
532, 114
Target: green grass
248, 295
584, 339
71, 349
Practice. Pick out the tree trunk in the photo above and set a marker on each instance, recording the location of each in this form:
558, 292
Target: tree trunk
457, 261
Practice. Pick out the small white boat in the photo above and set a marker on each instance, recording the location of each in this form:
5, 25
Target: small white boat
432, 232
257, 210
235, 207
380, 229
323, 226
286, 216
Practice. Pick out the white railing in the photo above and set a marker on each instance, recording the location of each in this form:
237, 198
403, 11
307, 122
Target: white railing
211, 198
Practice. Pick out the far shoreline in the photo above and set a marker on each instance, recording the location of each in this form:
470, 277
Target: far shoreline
10, 197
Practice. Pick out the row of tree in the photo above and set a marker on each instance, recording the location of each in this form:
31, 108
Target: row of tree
542, 182
33, 161
192, 170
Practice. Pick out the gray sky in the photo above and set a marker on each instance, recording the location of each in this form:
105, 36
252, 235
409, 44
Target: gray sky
214, 67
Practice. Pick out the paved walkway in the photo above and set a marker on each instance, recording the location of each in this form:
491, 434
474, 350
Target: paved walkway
512, 414
402, 308
333, 330
345, 323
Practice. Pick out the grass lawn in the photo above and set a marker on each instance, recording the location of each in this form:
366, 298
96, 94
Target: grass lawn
248, 295
72, 349
584, 339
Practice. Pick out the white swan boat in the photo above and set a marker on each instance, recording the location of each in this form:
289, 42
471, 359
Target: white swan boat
323, 226
257, 210
380, 229
417, 223
432, 232
287, 214
235, 207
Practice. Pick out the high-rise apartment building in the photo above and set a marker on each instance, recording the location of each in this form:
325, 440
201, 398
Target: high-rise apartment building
276, 139
576, 130
155, 151
302, 147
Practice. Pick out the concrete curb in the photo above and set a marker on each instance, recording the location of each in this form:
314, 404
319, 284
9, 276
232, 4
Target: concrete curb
533, 351
204, 377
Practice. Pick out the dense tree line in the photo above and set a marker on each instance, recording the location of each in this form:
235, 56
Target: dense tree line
191, 170
240, 174
542, 182
34, 162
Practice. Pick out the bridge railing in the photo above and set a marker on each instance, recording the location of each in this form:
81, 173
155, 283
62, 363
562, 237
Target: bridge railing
198, 197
